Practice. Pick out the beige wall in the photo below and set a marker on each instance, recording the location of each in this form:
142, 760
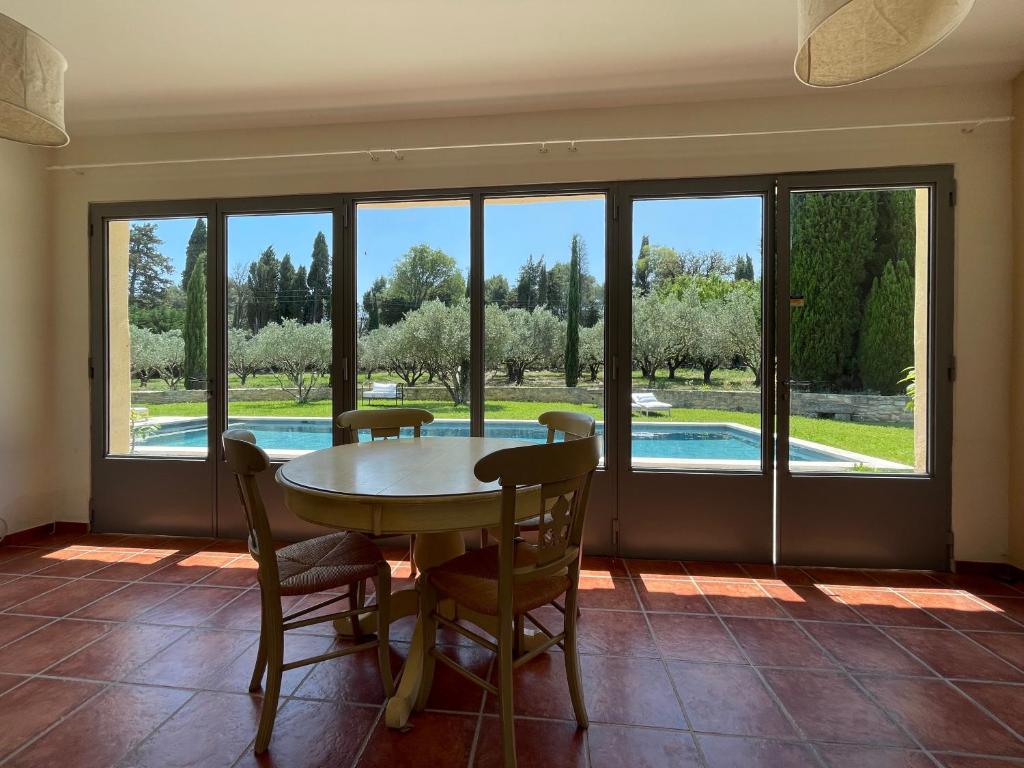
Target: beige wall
1017, 351
30, 492
984, 252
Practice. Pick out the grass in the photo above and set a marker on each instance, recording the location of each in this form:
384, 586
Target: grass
895, 443
723, 378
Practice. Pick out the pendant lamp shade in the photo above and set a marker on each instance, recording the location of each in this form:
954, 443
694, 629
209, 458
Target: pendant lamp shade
848, 41
31, 87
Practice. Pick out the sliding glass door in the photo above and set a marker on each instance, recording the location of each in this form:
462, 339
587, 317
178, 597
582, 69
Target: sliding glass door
412, 315
277, 322
768, 359
544, 323
150, 367
695, 454
865, 365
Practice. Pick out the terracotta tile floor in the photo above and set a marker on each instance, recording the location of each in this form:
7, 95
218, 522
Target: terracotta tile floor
136, 651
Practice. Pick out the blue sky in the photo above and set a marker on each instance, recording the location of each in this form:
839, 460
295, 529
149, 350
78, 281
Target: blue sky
512, 231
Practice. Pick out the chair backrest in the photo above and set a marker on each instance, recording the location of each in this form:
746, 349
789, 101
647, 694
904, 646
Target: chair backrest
381, 424
563, 472
643, 397
572, 425
247, 460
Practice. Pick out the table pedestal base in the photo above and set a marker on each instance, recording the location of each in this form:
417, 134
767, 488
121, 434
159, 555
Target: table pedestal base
431, 549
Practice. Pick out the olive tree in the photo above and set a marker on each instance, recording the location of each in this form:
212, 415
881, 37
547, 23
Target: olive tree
592, 348
440, 338
536, 340
497, 337
711, 343
741, 320
397, 349
681, 315
244, 358
653, 340
170, 357
370, 350
298, 354
145, 353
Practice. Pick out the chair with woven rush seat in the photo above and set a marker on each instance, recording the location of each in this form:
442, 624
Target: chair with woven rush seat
334, 561
573, 426
383, 425
516, 577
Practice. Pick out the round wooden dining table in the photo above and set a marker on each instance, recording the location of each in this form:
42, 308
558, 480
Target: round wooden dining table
423, 486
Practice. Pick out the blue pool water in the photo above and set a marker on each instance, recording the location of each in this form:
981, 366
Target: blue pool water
668, 441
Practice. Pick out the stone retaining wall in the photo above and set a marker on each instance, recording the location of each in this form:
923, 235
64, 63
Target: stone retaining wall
873, 409
156, 396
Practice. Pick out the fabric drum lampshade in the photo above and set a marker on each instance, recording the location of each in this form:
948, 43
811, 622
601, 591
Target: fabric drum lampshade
848, 41
31, 87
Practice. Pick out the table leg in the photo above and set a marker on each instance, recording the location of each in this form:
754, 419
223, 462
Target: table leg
404, 602
529, 639
431, 549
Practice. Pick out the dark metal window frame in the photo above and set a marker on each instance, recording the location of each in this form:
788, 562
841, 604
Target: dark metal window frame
617, 290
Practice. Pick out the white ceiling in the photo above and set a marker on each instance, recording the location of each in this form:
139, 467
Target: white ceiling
183, 64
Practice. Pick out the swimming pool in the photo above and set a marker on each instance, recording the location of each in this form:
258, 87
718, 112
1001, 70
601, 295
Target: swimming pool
674, 441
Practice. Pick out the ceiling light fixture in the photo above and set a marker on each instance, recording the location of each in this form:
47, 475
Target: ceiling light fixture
849, 41
31, 87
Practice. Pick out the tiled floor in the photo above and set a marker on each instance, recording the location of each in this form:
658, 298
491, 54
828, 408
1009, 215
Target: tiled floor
136, 651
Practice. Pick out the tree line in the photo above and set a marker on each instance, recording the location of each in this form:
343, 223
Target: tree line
177, 311
852, 262
267, 290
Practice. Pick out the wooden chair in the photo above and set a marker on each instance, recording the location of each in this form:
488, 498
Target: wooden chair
383, 425
325, 562
515, 578
572, 426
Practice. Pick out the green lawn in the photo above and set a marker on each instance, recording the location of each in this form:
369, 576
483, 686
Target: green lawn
723, 378
895, 443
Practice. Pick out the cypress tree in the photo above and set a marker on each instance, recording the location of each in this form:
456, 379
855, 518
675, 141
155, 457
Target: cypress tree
895, 231
285, 289
262, 284
300, 296
196, 246
887, 336
832, 236
744, 268
319, 279
195, 326
542, 285
642, 273
526, 287
572, 317
372, 300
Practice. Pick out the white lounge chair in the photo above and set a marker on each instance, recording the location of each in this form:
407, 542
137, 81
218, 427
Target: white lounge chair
646, 402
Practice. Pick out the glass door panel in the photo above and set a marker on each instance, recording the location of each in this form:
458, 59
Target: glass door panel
544, 319
150, 360
864, 322
694, 471
695, 383
858, 330
278, 329
157, 387
412, 262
